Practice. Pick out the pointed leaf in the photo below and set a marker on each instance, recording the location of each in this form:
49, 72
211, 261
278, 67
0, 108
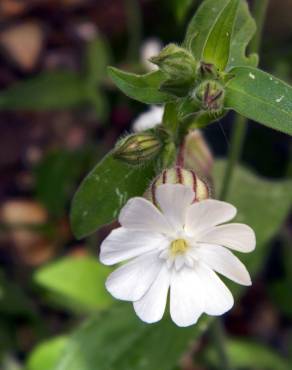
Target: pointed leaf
143, 88
205, 18
244, 29
217, 48
260, 97
201, 24
104, 192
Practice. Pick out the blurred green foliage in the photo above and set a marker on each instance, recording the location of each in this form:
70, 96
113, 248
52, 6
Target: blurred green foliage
79, 283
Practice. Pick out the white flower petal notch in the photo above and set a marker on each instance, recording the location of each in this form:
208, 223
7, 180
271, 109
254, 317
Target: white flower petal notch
176, 247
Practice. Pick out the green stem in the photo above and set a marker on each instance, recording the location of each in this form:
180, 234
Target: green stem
217, 336
235, 150
240, 123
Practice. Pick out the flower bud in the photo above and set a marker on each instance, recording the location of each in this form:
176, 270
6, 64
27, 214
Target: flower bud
179, 67
211, 94
207, 70
196, 153
179, 175
138, 148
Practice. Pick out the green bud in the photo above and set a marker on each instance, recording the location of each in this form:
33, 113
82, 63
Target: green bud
179, 67
179, 175
207, 70
211, 95
138, 148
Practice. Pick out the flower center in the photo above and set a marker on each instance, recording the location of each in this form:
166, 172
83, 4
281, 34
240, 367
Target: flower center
178, 246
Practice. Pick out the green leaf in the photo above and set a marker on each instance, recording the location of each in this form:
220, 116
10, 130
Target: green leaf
46, 355
244, 354
78, 279
96, 58
201, 24
260, 97
204, 20
261, 203
217, 47
50, 90
56, 176
250, 354
244, 30
104, 192
143, 88
118, 340
180, 8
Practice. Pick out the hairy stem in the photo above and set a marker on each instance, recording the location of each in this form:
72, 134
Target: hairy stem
240, 123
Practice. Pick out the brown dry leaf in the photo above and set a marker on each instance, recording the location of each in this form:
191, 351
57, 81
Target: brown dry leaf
23, 43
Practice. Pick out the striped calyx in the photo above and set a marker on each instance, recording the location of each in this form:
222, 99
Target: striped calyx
179, 175
138, 148
211, 94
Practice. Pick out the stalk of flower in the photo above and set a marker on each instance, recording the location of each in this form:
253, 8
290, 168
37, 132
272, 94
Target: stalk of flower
175, 243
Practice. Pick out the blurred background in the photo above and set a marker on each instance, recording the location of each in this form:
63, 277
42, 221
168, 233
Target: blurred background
59, 113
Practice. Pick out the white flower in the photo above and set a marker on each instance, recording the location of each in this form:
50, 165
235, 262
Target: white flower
149, 119
177, 247
150, 48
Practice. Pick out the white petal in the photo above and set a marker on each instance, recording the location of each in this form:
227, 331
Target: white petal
208, 213
174, 201
123, 244
149, 119
130, 281
239, 237
224, 262
150, 308
179, 262
218, 298
186, 297
140, 214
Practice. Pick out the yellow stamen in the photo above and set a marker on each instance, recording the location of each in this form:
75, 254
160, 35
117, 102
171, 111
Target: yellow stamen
178, 246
